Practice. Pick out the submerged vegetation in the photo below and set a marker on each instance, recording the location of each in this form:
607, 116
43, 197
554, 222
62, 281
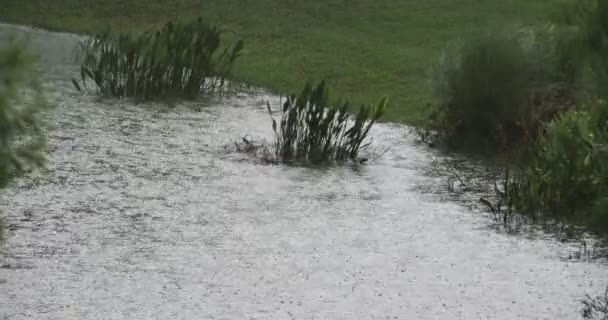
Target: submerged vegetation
310, 132
22, 140
182, 59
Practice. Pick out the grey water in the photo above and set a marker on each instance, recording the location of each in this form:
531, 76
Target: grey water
146, 212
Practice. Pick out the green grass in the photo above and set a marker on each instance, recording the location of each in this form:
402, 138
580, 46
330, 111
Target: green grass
364, 49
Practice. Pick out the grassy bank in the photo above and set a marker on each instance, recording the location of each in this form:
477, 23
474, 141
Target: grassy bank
364, 49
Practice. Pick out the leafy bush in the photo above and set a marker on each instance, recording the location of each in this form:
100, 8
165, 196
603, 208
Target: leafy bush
495, 90
566, 177
181, 59
310, 132
22, 141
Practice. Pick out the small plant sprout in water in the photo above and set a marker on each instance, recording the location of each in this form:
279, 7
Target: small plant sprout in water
258, 149
183, 59
502, 208
310, 132
596, 308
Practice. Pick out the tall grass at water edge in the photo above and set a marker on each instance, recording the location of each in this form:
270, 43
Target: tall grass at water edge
309, 131
182, 59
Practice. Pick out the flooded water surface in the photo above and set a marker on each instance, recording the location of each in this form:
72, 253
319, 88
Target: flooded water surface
147, 213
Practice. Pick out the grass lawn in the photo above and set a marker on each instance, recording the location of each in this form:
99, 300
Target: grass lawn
364, 48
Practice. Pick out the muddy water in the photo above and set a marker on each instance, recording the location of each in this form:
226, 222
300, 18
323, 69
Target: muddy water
145, 214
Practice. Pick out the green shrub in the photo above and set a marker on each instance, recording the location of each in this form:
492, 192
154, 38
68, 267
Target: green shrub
22, 141
181, 59
309, 132
495, 90
566, 177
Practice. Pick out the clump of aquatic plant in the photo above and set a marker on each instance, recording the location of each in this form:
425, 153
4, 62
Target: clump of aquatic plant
311, 132
495, 90
183, 59
596, 307
22, 140
565, 177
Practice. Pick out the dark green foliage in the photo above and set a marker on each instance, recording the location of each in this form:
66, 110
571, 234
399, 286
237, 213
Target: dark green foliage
22, 142
593, 18
181, 59
566, 177
309, 132
590, 18
563, 180
495, 90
